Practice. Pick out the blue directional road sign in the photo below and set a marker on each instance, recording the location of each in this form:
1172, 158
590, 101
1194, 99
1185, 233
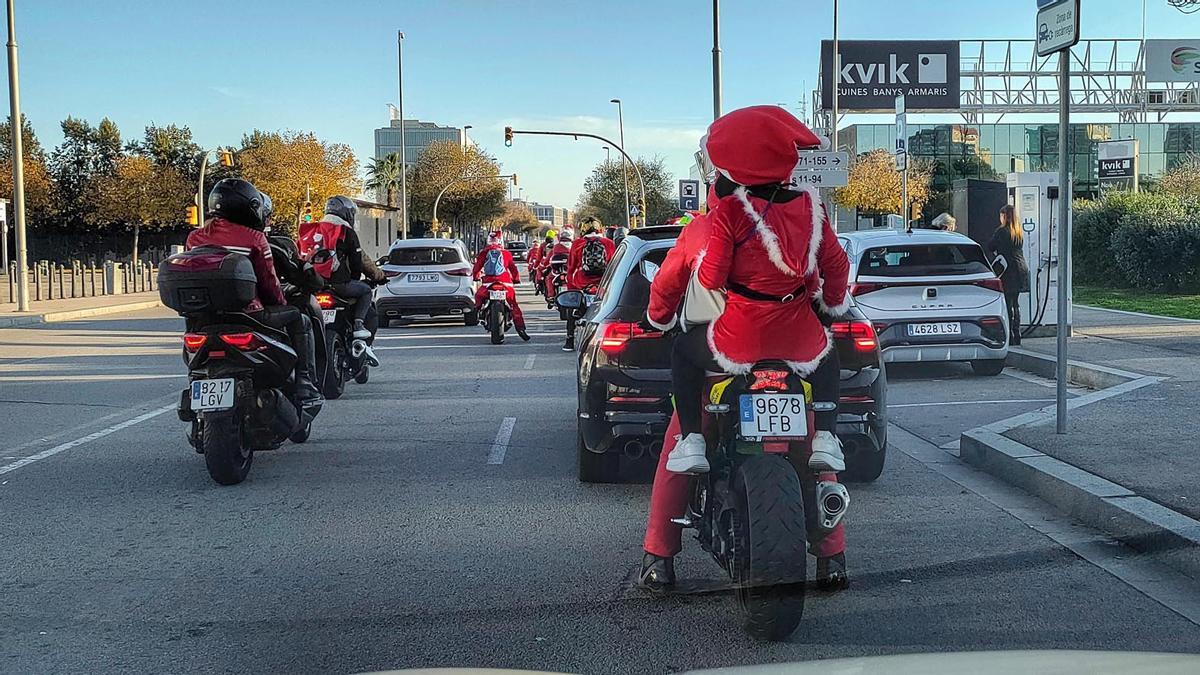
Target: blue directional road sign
689, 195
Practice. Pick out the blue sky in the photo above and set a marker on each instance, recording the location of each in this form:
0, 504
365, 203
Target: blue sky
224, 67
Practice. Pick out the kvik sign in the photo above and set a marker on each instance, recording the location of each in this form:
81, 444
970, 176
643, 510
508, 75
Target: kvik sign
874, 72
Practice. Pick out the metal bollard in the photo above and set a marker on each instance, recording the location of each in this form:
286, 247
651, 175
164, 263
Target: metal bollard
37, 281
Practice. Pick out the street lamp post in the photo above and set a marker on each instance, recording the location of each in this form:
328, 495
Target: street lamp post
624, 168
607, 154
438, 200
16, 128
400, 114
716, 54
466, 141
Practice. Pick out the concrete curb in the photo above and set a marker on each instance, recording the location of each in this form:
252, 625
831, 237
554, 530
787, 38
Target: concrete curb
71, 315
1096, 501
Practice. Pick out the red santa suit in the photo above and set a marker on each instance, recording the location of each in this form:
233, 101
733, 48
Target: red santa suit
509, 277
577, 279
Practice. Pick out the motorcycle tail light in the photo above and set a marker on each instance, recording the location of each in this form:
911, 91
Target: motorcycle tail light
774, 380
242, 341
325, 300
861, 333
194, 341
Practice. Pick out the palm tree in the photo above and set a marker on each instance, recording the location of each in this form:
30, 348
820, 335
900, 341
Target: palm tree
383, 175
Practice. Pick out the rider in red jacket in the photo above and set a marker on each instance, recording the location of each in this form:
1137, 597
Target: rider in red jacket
509, 275
579, 276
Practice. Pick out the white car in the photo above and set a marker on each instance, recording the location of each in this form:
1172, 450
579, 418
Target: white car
931, 295
426, 277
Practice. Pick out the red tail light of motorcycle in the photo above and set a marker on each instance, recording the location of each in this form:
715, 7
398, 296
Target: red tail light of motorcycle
862, 333
242, 341
194, 341
772, 380
325, 300
616, 335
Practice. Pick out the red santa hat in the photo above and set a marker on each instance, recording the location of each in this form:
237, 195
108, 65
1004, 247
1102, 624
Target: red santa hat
495, 238
758, 145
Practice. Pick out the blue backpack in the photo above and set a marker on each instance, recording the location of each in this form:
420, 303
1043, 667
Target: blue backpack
493, 264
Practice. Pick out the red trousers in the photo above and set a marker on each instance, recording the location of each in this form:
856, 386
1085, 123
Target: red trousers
669, 500
518, 317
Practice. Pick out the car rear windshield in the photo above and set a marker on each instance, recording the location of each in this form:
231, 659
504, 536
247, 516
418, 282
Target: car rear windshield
922, 260
428, 255
516, 246
635, 292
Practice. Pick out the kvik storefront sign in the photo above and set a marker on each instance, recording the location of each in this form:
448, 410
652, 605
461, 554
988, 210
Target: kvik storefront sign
874, 72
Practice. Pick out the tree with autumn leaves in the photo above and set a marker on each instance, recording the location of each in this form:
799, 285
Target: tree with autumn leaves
293, 166
473, 191
140, 193
875, 184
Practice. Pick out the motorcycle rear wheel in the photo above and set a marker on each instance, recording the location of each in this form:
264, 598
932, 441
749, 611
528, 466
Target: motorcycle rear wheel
496, 322
770, 547
335, 374
226, 456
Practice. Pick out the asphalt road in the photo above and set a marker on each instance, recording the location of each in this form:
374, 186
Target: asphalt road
412, 530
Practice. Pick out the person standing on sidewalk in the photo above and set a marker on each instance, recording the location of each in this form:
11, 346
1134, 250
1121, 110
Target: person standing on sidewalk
1007, 243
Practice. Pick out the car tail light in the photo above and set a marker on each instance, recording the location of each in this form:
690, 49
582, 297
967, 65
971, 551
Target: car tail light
390, 273
459, 272
325, 300
242, 341
616, 335
993, 284
857, 289
194, 341
862, 333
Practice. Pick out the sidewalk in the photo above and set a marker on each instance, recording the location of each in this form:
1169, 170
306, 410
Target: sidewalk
48, 311
1144, 440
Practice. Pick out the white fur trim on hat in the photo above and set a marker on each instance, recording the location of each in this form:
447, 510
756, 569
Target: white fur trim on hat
818, 226
805, 368
769, 239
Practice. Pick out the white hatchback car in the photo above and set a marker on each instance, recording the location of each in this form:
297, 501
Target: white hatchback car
427, 277
931, 295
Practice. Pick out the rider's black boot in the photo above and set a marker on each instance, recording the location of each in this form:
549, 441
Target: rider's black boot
658, 574
831, 573
307, 393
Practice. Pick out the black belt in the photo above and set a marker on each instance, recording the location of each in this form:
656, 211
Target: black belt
755, 295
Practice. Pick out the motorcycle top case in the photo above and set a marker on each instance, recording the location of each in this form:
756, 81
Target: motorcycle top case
207, 279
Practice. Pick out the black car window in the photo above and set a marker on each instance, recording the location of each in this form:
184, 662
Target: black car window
922, 260
611, 269
427, 255
516, 246
636, 291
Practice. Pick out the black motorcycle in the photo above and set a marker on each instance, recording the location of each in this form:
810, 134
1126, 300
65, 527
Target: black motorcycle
350, 358
759, 505
496, 314
241, 394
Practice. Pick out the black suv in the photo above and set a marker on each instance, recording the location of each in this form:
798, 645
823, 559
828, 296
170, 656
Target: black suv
624, 383
518, 249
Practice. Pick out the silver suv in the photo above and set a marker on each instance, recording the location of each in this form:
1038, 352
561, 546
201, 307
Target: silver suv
427, 277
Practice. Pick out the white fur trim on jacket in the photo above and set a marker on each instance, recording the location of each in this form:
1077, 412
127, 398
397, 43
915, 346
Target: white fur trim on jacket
835, 310
805, 368
728, 365
662, 326
769, 239
818, 226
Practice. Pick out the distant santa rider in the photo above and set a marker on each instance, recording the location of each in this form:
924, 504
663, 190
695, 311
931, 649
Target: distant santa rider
494, 264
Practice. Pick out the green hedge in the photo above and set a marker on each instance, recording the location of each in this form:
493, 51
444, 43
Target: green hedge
1146, 241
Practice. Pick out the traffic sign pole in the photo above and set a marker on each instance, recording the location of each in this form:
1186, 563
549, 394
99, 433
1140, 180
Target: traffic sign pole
1064, 225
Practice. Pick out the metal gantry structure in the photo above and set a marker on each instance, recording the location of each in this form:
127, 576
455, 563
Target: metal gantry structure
1001, 77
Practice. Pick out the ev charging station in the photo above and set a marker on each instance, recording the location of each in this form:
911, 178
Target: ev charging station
1035, 198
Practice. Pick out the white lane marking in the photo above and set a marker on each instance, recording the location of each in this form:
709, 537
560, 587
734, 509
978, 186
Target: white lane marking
87, 378
529, 361
62, 447
435, 336
496, 455
938, 403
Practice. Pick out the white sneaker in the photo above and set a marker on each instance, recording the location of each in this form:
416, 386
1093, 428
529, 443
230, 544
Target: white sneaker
827, 453
689, 455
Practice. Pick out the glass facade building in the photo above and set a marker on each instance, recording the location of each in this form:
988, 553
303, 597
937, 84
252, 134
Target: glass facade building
418, 135
990, 151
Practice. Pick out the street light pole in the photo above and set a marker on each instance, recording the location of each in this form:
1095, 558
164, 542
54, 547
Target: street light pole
16, 128
624, 168
716, 53
465, 141
837, 77
400, 114
607, 154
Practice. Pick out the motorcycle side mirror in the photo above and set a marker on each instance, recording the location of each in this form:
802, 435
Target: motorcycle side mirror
569, 299
649, 270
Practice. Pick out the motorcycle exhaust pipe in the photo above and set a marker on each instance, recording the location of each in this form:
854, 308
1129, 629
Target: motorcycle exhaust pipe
274, 411
655, 448
832, 502
634, 449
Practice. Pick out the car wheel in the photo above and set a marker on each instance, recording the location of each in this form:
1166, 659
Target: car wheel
471, 318
988, 367
596, 468
865, 466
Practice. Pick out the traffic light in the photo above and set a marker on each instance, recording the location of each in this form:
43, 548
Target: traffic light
508, 137
515, 179
193, 217
226, 158
307, 217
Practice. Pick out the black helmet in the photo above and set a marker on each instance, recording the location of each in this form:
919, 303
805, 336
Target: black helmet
343, 207
268, 209
237, 201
